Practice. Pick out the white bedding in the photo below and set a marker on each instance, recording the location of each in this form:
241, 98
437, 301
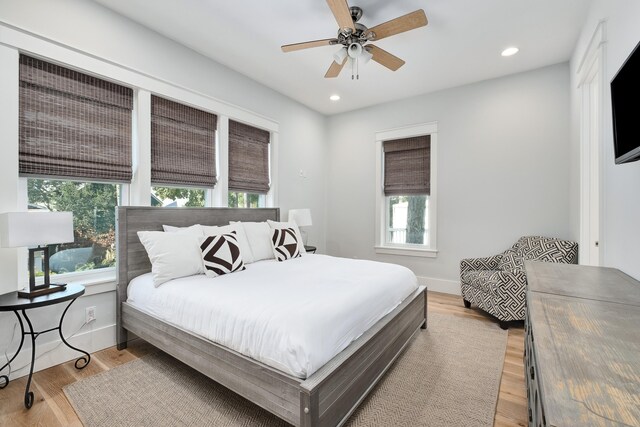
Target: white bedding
294, 316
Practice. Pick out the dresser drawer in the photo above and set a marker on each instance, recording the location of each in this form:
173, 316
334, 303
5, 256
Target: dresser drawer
535, 411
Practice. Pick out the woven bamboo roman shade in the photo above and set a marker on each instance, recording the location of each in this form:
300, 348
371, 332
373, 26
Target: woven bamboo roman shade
183, 144
407, 166
73, 125
248, 158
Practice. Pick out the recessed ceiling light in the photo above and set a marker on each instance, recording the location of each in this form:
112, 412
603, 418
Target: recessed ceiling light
510, 51
335, 97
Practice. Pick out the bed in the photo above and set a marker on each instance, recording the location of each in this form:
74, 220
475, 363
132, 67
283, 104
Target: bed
311, 391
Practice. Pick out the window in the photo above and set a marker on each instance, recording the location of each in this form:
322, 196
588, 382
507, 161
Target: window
75, 137
406, 197
408, 220
177, 197
183, 154
94, 223
183, 145
249, 177
76, 152
73, 125
246, 200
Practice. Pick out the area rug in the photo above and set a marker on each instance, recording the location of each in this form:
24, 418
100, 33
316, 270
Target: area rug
448, 376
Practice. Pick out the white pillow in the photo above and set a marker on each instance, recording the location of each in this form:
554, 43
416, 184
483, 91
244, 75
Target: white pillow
194, 229
172, 255
259, 237
280, 225
241, 237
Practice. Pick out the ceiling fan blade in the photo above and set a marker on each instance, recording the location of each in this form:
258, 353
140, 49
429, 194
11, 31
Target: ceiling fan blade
307, 45
383, 57
335, 69
340, 10
407, 22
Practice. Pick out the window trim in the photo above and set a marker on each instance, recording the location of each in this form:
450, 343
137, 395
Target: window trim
381, 247
271, 198
88, 277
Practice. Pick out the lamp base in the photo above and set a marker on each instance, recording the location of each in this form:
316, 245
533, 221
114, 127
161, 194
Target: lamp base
32, 293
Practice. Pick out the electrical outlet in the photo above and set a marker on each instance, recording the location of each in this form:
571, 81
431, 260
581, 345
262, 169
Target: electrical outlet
90, 314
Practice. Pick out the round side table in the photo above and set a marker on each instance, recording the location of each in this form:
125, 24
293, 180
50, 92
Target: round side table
12, 302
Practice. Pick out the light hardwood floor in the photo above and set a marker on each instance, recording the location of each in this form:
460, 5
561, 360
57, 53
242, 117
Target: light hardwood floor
51, 407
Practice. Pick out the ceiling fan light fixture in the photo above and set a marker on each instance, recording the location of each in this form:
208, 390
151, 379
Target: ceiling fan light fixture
340, 55
354, 50
365, 56
510, 51
353, 35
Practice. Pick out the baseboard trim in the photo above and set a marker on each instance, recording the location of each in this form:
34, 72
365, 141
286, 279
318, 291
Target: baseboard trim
53, 353
440, 285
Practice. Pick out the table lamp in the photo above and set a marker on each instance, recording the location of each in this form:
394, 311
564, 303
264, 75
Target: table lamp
302, 217
19, 229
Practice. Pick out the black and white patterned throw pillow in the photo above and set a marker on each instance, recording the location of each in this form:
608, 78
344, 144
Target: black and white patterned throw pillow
285, 244
221, 254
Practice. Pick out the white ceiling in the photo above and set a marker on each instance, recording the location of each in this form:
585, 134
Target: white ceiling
461, 44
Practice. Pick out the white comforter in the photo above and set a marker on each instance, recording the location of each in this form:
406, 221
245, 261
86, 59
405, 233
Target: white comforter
294, 316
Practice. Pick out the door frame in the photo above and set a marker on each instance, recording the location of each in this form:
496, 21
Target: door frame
591, 87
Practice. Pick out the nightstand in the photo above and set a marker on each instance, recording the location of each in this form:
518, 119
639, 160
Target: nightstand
310, 249
12, 302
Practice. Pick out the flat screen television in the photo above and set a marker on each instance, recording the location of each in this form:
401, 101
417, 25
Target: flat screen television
625, 99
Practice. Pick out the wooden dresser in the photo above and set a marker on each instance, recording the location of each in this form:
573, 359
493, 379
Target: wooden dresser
582, 346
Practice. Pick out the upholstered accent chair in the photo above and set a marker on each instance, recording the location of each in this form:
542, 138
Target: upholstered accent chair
498, 284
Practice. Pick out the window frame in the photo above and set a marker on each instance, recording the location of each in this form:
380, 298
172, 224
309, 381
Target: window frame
407, 249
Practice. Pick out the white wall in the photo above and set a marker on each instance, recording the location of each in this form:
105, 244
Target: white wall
93, 30
620, 185
502, 156
503, 150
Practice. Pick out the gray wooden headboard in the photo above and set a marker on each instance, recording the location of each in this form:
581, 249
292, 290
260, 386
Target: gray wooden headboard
132, 259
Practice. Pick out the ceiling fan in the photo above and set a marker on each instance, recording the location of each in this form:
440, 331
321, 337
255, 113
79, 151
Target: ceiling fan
355, 38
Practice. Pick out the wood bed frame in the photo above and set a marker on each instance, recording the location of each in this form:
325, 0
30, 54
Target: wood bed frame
326, 398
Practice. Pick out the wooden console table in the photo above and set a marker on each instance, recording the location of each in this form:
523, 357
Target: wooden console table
582, 346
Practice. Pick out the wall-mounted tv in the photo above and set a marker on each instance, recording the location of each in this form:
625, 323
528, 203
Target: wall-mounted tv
625, 99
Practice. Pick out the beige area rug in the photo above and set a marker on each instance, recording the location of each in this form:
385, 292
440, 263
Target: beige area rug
448, 376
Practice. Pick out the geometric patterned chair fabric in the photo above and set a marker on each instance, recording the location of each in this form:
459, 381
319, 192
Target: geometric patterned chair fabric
498, 284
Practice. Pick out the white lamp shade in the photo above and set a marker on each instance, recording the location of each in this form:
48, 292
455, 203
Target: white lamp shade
354, 51
302, 217
340, 55
18, 229
366, 56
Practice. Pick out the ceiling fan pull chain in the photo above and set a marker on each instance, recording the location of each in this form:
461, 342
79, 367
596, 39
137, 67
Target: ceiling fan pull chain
352, 64
358, 68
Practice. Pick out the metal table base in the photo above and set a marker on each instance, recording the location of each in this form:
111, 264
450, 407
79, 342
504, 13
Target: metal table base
80, 363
